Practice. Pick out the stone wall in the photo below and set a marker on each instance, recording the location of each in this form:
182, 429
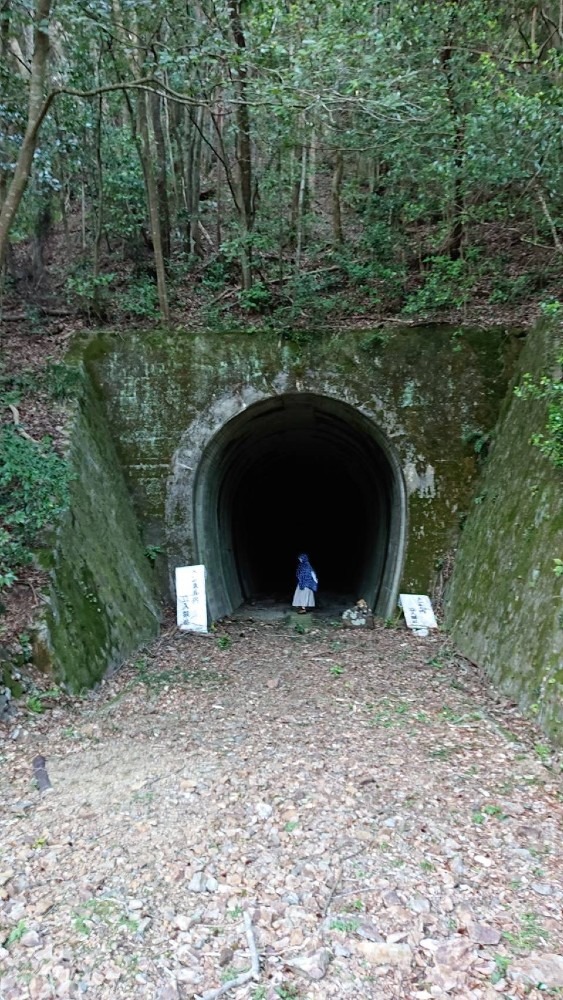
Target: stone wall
432, 392
101, 604
506, 602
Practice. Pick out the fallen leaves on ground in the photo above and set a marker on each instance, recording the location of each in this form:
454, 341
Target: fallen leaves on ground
391, 826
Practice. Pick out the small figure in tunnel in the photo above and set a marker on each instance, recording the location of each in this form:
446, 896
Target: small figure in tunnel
307, 584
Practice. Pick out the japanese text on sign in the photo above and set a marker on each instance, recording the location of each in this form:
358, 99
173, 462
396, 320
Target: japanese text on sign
191, 601
418, 611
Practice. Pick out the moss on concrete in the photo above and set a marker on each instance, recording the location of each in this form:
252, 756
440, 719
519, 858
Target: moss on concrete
506, 603
428, 389
101, 605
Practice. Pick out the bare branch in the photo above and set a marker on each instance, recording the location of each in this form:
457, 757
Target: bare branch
244, 977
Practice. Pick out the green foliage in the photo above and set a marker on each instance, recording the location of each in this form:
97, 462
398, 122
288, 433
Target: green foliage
91, 293
480, 441
152, 552
347, 926
58, 381
502, 963
287, 991
549, 389
510, 290
543, 752
444, 116
529, 935
36, 702
62, 381
16, 933
256, 299
34, 492
447, 284
552, 308
374, 341
139, 299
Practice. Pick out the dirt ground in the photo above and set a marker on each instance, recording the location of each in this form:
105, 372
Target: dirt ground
333, 813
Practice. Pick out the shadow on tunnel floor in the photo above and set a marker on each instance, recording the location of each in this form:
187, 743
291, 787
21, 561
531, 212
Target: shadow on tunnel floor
275, 607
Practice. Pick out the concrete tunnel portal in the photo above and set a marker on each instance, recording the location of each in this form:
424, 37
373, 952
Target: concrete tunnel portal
292, 473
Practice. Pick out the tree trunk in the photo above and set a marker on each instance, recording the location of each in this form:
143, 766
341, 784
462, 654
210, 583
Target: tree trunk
455, 238
193, 179
100, 186
301, 208
337, 233
220, 179
4, 48
152, 203
174, 200
161, 174
243, 152
37, 109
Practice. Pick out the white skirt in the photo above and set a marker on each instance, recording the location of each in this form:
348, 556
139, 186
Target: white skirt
303, 598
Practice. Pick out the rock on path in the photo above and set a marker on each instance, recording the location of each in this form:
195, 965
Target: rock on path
391, 828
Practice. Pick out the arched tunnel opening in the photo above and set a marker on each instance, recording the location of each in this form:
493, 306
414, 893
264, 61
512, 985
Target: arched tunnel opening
300, 473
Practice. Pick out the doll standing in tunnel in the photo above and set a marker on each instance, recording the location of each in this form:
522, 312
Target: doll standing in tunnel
307, 584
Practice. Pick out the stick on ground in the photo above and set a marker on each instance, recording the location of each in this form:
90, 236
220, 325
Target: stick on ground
245, 977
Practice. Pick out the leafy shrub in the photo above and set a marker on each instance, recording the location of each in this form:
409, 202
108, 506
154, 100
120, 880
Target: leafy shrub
551, 308
512, 289
550, 390
34, 484
62, 381
447, 284
91, 293
256, 299
139, 299
216, 275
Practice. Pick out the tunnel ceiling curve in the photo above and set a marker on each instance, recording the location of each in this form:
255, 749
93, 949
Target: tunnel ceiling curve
300, 472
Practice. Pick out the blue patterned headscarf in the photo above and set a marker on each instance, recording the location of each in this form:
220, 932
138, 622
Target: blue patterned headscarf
306, 576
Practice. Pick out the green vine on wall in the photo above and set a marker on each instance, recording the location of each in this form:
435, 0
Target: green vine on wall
549, 389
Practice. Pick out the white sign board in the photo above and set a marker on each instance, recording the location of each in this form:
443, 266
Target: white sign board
418, 612
191, 602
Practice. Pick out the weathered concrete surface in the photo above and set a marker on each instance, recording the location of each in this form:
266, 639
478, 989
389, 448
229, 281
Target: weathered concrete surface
427, 393
101, 604
506, 601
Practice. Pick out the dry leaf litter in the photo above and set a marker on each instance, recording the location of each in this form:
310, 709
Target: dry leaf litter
308, 813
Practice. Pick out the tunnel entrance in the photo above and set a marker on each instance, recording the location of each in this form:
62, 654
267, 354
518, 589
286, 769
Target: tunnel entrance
300, 472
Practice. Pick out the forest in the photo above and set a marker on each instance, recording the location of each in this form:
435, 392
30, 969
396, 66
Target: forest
280, 164
281, 277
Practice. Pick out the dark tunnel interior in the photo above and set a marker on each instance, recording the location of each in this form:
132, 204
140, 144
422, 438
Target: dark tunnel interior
300, 473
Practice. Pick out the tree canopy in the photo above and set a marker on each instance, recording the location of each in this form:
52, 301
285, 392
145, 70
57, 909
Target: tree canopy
224, 141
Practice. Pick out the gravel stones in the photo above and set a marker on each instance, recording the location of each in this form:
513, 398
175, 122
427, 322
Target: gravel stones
383, 953
312, 966
546, 969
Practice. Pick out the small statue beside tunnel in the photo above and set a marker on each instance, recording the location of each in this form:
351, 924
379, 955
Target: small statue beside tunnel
360, 616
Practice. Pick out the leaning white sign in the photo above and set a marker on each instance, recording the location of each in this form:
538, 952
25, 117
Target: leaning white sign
191, 601
418, 611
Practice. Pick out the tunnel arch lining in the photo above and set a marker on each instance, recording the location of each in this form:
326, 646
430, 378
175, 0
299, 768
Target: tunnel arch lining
210, 471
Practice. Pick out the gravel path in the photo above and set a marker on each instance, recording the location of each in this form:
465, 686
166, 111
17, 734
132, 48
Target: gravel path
334, 813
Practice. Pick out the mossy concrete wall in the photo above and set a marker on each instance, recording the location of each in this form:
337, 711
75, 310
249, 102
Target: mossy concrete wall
101, 604
506, 602
431, 391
